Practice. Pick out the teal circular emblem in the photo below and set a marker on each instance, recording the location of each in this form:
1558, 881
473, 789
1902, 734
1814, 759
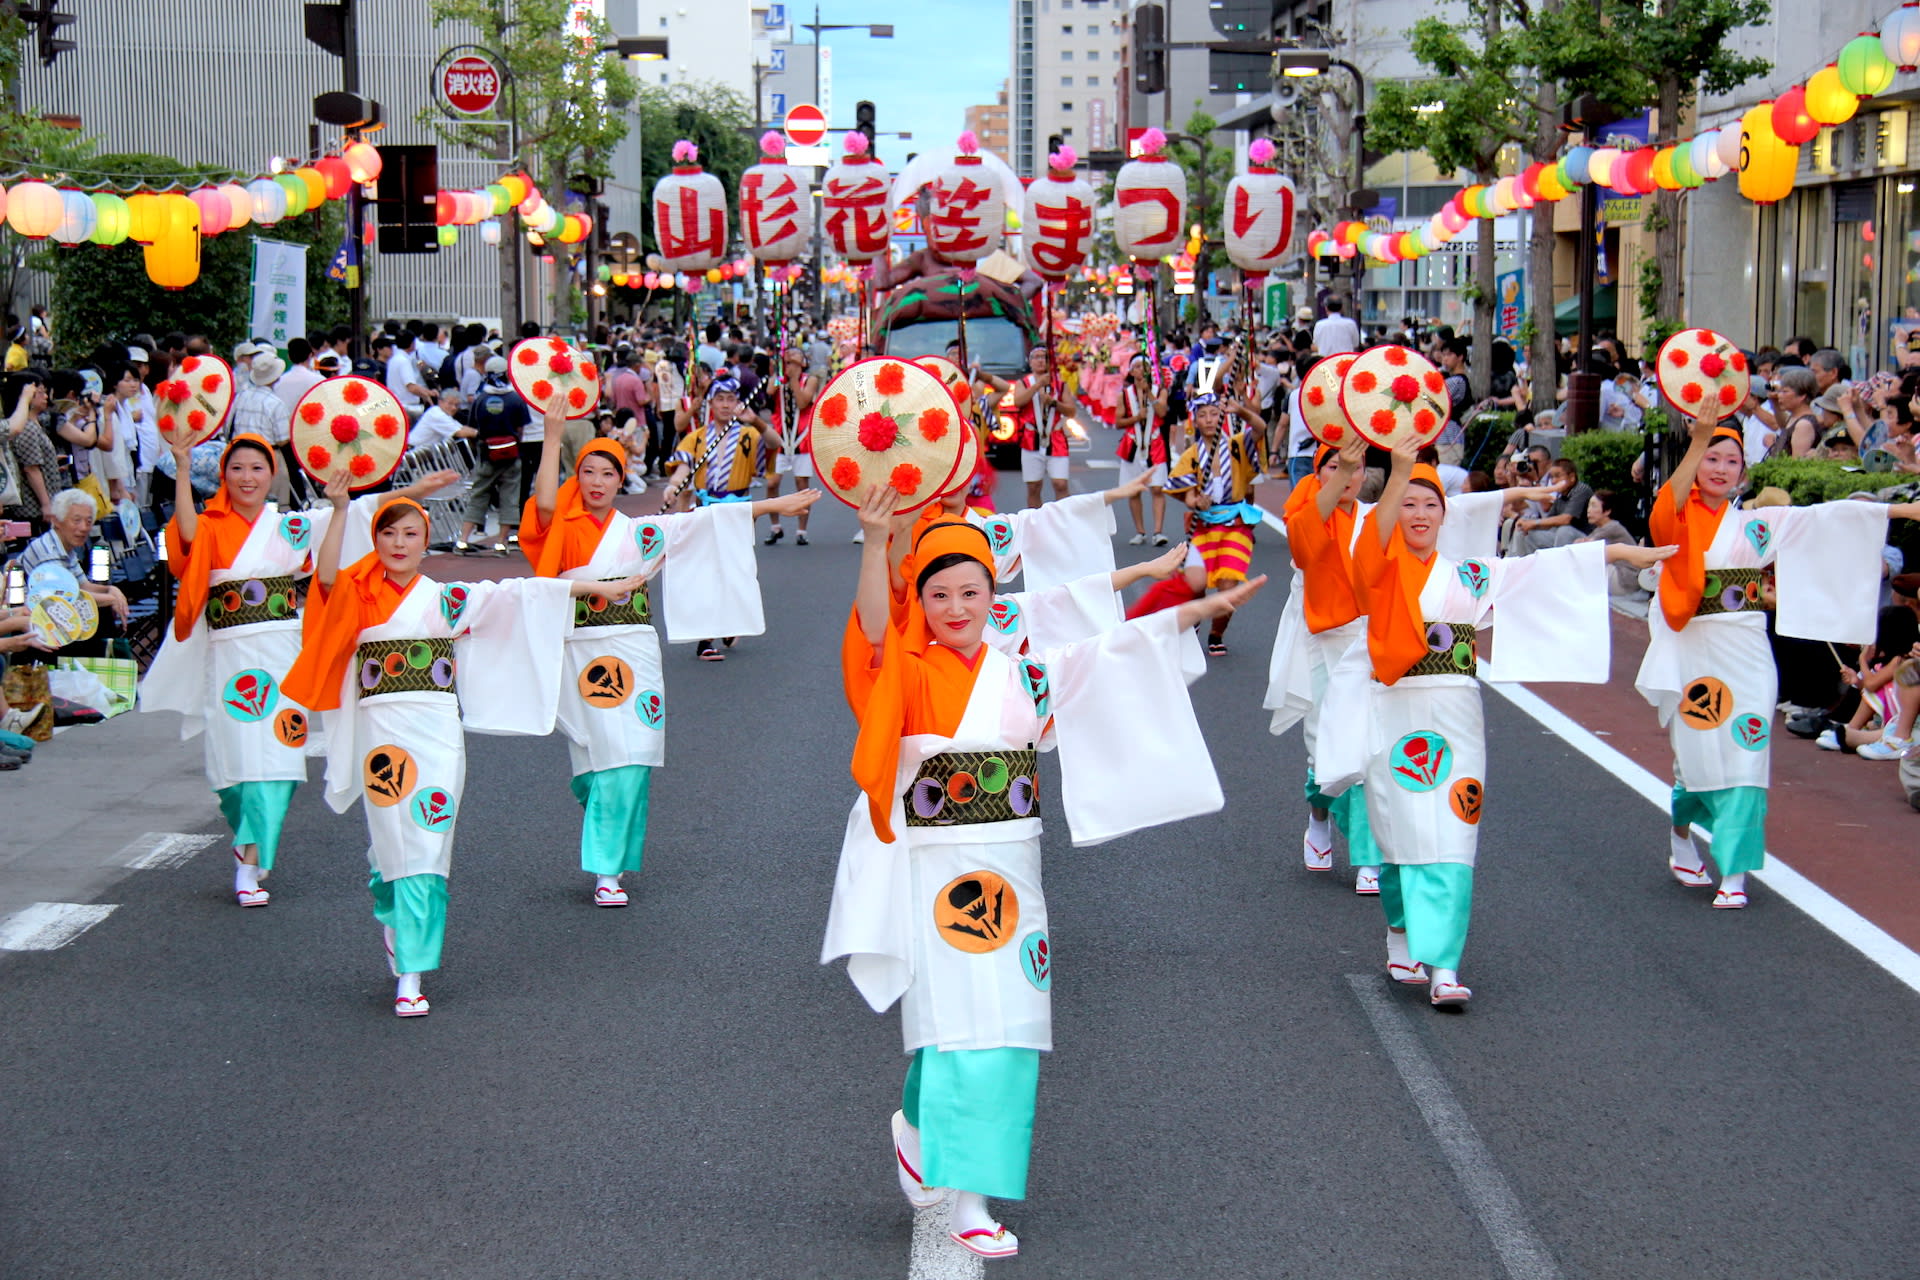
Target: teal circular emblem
650, 707
1421, 761
433, 809
1751, 731
250, 695
1036, 960
650, 538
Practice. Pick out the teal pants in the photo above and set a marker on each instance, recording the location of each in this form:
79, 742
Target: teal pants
1433, 902
1737, 818
1349, 810
974, 1111
256, 811
415, 908
613, 834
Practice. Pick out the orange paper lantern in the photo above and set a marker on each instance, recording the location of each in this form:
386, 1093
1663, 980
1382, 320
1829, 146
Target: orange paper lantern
1767, 164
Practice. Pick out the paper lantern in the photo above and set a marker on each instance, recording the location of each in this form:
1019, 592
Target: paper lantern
1728, 146
517, 188
296, 191
573, 228
239, 205
110, 218
1600, 166
1638, 171
1767, 164
1058, 217
776, 209
490, 231
1791, 123
547, 219
1576, 163
1151, 196
1554, 185
447, 235
315, 183
1828, 101
269, 201
1865, 69
1684, 174
853, 203
501, 197
173, 259
214, 213
1900, 36
966, 210
1703, 156
336, 174
35, 209
690, 213
1259, 214
363, 161
1662, 171
77, 217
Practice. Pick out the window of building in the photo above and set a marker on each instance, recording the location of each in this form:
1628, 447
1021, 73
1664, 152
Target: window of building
1066, 28
1067, 132
1066, 82
663, 21
1093, 28
1066, 106
1093, 55
1093, 82
1066, 55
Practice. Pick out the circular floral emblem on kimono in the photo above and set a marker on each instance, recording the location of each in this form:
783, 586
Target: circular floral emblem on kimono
999, 531
290, 726
297, 529
1421, 761
1039, 688
1004, 614
1751, 732
650, 538
1760, 535
1475, 577
994, 775
1705, 703
1465, 799
387, 775
1442, 639
453, 603
977, 912
433, 808
250, 695
607, 683
1036, 960
651, 708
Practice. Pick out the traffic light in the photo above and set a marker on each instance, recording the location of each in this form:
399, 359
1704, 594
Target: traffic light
1055, 142
406, 195
46, 19
1149, 49
1239, 72
1242, 19
863, 122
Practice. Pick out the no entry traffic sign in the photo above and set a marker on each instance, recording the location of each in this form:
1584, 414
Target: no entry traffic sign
806, 125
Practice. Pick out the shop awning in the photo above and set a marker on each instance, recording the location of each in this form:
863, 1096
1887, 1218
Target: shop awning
1566, 316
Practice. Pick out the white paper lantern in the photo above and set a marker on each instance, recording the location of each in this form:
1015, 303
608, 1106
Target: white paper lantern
853, 204
776, 209
690, 214
966, 213
1900, 36
1259, 214
1150, 196
269, 201
1056, 218
78, 217
1728, 146
490, 231
1704, 151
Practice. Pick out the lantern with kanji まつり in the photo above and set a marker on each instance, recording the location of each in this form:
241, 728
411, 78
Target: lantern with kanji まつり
689, 213
966, 212
1056, 218
1150, 197
1259, 214
776, 209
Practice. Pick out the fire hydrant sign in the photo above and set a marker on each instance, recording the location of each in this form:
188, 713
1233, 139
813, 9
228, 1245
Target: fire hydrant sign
470, 84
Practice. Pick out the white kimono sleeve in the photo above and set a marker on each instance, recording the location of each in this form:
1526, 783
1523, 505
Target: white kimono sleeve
1827, 570
711, 580
1550, 617
1064, 540
177, 680
1343, 733
1290, 670
358, 539
1471, 530
1131, 752
870, 922
1075, 611
510, 658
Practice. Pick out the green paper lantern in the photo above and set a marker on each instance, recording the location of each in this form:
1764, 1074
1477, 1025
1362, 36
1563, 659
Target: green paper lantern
296, 193
1865, 69
111, 226
448, 235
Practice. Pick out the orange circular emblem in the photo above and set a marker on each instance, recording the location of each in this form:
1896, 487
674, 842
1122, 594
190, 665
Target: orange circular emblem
290, 726
1466, 797
1705, 703
977, 912
389, 773
606, 682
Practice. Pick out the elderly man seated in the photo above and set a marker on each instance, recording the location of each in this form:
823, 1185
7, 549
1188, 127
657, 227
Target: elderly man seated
72, 514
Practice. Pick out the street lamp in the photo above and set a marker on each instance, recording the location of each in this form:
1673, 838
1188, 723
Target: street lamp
879, 31
1301, 64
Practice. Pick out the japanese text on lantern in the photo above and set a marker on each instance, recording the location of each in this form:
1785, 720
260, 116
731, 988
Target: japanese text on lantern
678, 226
769, 206
1169, 204
1059, 234
856, 215
1269, 223
953, 226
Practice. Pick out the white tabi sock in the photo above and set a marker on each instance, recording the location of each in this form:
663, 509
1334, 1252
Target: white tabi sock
408, 987
1320, 830
388, 935
1736, 882
1397, 952
1446, 978
1685, 853
970, 1212
606, 882
246, 877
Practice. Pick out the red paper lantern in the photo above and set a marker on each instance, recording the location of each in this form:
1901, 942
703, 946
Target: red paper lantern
337, 175
1637, 170
1792, 123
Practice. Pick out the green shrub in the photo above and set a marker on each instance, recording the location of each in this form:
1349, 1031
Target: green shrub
1605, 459
1486, 436
1811, 480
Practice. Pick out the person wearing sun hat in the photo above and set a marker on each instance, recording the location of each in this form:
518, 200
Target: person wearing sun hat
937, 902
612, 703
1402, 711
1709, 670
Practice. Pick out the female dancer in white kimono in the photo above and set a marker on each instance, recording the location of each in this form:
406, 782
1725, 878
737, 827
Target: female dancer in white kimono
950, 920
1403, 711
612, 700
1709, 669
236, 631
398, 664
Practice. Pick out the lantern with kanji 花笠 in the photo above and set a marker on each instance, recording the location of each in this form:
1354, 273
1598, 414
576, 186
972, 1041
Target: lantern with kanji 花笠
1150, 196
776, 209
690, 213
1056, 220
1259, 213
966, 212
853, 203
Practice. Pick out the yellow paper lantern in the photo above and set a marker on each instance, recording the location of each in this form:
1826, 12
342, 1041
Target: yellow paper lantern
35, 210
1551, 187
173, 259
143, 217
1663, 175
518, 188
1767, 165
1828, 100
316, 184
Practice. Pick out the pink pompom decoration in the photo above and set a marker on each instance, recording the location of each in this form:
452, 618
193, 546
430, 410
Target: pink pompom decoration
969, 143
1152, 142
1065, 158
685, 152
854, 144
773, 144
1261, 152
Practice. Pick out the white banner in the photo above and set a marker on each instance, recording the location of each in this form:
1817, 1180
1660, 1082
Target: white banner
279, 291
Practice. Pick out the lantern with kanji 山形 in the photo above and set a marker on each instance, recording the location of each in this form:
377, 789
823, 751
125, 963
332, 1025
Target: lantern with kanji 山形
853, 203
776, 210
1056, 220
690, 213
173, 259
1259, 214
1150, 196
1767, 164
966, 212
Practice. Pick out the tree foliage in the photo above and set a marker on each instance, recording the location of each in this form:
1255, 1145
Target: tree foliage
712, 117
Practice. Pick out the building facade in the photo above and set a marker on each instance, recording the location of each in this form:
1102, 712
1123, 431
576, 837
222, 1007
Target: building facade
989, 122
1065, 58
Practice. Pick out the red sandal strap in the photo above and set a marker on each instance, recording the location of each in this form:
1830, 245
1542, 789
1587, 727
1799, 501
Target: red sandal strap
911, 1171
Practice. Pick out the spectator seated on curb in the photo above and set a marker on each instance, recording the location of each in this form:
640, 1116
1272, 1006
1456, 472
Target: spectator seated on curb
1565, 520
16, 723
1881, 728
64, 543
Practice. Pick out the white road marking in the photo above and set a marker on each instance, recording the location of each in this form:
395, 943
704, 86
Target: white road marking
1852, 928
1523, 1254
935, 1256
45, 926
163, 850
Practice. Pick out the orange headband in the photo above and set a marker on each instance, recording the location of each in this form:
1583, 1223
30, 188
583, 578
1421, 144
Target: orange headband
948, 537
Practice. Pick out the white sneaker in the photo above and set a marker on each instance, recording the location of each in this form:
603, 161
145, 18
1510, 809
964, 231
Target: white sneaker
20, 719
1829, 740
1885, 749
1137, 539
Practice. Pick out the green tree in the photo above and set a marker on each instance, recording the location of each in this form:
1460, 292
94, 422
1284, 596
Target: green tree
27, 141
1209, 168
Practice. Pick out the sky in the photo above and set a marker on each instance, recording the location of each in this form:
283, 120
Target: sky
945, 56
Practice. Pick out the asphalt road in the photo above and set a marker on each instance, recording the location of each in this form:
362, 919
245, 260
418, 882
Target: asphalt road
1642, 1088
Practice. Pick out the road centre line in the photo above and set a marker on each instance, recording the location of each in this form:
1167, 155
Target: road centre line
162, 850
47, 926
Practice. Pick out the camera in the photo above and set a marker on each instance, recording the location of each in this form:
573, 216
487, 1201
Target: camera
1523, 466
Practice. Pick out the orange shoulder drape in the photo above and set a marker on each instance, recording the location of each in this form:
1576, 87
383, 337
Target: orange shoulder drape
1390, 581
220, 533
361, 596
572, 537
1321, 549
1683, 576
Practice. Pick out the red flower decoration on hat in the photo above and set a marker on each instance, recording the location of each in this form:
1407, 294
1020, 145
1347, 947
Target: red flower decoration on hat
1383, 421
1738, 361
561, 363
1406, 386
345, 428
210, 383
1436, 381
318, 458
1713, 364
891, 380
190, 364
1395, 356
1316, 396
1424, 419
529, 356
846, 473
878, 432
361, 466
354, 393
833, 411
311, 412
588, 372
1364, 381
905, 478
196, 420
577, 398
386, 426
542, 389
1677, 358
933, 424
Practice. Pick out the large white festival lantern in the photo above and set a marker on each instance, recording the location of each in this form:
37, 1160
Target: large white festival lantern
853, 203
776, 209
1056, 220
690, 214
1259, 214
1150, 195
966, 212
